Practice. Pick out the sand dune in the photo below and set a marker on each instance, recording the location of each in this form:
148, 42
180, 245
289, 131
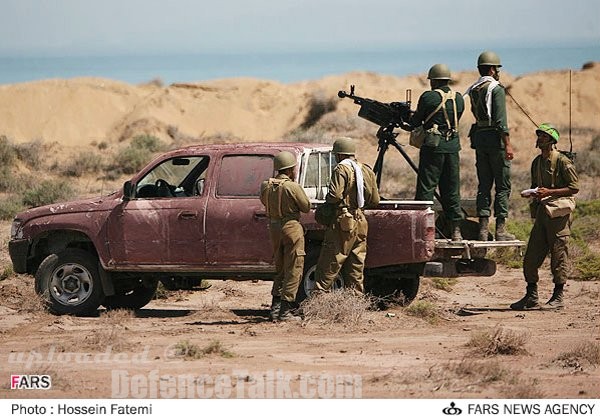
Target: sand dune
81, 111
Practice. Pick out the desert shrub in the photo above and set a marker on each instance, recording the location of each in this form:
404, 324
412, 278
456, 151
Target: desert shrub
485, 371
586, 353
149, 142
498, 341
587, 266
443, 283
310, 136
190, 351
30, 153
512, 257
589, 162
342, 307
6, 273
425, 310
83, 163
9, 207
131, 160
102, 145
7, 152
47, 192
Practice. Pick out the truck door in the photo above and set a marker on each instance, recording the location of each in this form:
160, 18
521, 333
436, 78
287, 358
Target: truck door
164, 223
236, 226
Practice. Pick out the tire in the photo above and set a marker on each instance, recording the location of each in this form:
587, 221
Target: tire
69, 282
307, 283
401, 290
133, 299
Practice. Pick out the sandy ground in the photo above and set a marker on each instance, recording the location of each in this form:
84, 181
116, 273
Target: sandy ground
388, 354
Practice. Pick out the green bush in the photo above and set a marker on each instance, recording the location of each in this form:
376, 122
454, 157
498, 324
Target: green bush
47, 192
29, 153
148, 142
83, 163
7, 152
131, 160
9, 207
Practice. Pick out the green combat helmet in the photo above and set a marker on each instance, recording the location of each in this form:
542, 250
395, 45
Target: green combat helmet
344, 146
489, 58
439, 72
283, 160
550, 130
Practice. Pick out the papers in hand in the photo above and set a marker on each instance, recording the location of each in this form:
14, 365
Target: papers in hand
529, 192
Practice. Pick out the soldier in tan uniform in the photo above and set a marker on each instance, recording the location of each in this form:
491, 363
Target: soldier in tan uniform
554, 181
284, 199
352, 187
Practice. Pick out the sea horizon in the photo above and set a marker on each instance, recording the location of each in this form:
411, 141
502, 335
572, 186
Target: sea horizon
285, 67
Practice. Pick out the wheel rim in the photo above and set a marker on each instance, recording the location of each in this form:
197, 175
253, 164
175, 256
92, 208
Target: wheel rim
309, 281
71, 284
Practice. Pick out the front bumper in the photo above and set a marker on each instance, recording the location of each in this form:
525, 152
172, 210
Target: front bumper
19, 251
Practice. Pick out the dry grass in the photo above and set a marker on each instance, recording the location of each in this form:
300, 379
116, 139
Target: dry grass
341, 307
190, 351
425, 310
523, 389
443, 283
498, 342
482, 371
117, 317
582, 356
101, 339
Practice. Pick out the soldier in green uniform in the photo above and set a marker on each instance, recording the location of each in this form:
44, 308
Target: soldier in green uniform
553, 183
491, 141
352, 187
284, 199
439, 111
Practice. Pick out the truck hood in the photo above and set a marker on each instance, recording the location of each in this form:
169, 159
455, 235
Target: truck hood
94, 204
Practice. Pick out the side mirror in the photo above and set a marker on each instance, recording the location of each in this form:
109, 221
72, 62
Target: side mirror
128, 190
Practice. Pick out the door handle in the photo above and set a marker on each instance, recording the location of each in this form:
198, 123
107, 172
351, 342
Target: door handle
260, 215
187, 215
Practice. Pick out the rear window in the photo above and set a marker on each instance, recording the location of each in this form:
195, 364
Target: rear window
241, 175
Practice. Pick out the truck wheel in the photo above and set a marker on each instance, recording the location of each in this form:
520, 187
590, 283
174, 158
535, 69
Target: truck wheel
393, 291
308, 281
69, 282
135, 298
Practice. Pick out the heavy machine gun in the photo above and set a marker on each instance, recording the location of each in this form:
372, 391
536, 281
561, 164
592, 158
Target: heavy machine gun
387, 116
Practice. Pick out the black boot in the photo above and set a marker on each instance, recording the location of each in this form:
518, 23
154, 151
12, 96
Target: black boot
501, 233
286, 313
556, 301
275, 308
529, 301
484, 228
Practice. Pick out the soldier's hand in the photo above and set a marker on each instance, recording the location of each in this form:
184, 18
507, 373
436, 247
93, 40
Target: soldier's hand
509, 153
543, 192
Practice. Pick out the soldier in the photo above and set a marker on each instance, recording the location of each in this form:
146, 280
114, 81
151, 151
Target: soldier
352, 187
552, 176
284, 199
491, 141
439, 110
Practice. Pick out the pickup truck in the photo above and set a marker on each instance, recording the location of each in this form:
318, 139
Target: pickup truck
195, 213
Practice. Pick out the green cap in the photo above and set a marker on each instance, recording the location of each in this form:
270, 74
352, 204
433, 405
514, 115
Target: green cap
283, 160
550, 130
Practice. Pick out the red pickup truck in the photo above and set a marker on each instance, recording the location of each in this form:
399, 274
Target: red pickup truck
194, 214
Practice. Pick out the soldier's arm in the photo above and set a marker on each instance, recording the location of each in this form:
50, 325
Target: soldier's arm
337, 186
263, 194
301, 198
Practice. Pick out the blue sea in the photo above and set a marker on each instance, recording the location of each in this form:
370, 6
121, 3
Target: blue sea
286, 67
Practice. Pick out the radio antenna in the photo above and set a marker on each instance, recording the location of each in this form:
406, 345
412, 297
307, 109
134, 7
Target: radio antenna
570, 125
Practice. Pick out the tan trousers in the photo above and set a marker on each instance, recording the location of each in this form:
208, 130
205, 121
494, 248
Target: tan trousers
343, 253
288, 255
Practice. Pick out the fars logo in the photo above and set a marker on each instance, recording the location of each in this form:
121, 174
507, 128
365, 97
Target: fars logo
30, 381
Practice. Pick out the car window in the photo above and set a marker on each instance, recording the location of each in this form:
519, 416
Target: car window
179, 175
318, 172
241, 175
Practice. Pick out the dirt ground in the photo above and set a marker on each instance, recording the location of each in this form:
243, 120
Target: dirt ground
388, 354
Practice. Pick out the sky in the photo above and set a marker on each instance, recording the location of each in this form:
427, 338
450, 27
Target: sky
96, 27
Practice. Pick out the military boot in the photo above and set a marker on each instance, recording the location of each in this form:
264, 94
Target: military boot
529, 301
275, 308
286, 313
556, 301
456, 235
484, 232
501, 233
